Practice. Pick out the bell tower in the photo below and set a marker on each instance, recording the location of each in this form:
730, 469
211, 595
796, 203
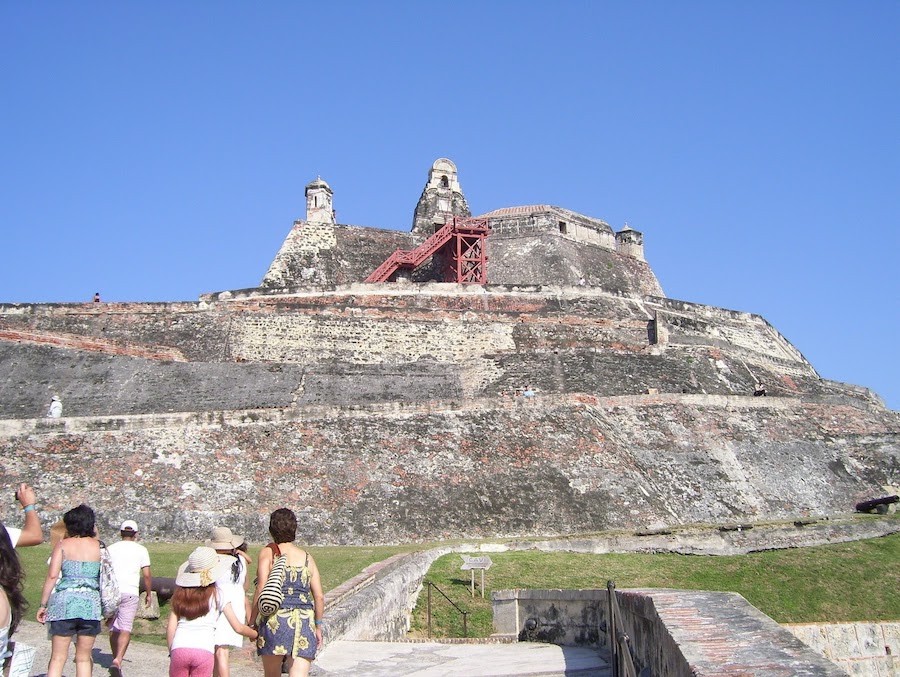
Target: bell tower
319, 202
441, 198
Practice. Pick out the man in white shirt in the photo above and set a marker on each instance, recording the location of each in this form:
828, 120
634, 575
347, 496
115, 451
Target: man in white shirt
130, 561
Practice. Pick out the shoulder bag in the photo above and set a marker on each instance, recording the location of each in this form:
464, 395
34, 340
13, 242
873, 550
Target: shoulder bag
109, 586
272, 595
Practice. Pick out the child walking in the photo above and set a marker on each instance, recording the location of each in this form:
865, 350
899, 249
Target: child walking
196, 607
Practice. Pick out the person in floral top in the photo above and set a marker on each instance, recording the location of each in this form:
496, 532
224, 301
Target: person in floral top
293, 634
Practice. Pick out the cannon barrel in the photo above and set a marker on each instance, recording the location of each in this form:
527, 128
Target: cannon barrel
162, 586
879, 505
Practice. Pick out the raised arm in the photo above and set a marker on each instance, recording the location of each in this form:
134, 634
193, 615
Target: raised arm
32, 534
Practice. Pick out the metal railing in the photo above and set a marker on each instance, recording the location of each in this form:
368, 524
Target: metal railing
619, 641
465, 614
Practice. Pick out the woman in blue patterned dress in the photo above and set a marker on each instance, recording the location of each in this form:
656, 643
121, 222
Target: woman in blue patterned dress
70, 600
293, 634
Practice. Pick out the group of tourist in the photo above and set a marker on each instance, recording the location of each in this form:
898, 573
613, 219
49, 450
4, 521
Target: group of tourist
210, 609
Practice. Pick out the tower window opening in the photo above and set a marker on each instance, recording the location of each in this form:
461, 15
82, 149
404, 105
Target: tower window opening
445, 182
563, 228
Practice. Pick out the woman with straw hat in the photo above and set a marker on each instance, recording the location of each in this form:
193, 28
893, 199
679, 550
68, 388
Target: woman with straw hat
233, 586
196, 607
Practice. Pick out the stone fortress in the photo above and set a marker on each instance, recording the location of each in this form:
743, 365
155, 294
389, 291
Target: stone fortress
386, 412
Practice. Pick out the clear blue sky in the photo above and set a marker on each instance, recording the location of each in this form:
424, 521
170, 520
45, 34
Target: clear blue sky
159, 150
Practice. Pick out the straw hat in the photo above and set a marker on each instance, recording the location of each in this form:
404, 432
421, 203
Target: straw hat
201, 569
57, 532
221, 538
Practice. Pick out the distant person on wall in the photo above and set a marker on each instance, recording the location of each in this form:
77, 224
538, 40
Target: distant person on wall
31, 532
97, 297
293, 634
233, 587
55, 410
130, 561
70, 599
760, 390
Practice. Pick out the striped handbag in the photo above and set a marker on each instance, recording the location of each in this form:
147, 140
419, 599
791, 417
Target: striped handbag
272, 595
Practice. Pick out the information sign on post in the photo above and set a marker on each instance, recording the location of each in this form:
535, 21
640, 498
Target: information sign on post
471, 563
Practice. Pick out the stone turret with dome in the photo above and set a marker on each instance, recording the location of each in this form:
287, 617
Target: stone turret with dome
441, 197
319, 202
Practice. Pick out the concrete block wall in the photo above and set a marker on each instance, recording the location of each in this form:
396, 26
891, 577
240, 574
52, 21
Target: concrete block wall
862, 649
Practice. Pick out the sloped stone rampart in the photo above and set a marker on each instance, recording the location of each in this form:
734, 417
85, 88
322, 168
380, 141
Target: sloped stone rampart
697, 633
371, 343
393, 473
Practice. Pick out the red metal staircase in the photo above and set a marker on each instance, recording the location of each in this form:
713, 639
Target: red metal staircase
458, 244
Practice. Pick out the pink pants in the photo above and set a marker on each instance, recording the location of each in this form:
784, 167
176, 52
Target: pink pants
186, 662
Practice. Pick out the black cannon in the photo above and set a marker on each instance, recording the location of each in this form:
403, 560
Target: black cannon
877, 505
163, 587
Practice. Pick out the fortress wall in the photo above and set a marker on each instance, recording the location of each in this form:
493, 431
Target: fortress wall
92, 384
198, 333
324, 254
365, 343
518, 259
576, 228
96, 384
307, 339
549, 465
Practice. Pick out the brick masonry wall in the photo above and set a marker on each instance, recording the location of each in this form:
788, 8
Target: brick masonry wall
391, 473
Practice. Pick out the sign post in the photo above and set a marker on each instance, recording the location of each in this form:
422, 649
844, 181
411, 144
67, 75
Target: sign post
471, 564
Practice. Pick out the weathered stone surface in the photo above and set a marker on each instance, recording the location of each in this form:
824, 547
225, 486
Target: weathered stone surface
863, 649
383, 412
549, 465
376, 343
693, 633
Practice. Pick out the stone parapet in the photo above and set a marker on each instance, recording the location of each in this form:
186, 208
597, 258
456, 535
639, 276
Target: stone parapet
670, 632
862, 649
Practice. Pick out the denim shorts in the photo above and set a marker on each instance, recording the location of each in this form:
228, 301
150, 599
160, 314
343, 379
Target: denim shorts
74, 626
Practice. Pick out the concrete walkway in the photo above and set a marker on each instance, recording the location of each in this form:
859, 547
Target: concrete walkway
368, 659
431, 659
141, 660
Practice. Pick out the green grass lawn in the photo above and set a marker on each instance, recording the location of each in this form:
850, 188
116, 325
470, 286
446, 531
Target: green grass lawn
853, 581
